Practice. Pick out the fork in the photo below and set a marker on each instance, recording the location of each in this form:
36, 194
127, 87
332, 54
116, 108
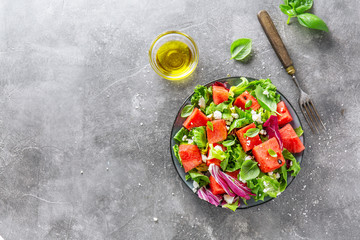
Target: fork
307, 107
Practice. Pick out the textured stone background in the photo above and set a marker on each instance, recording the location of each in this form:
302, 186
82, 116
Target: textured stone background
76, 84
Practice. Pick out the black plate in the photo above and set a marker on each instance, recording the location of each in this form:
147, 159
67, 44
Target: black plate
231, 81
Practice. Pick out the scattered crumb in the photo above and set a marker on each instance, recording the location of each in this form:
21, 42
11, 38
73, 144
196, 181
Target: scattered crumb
173, 194
155, 219
81, 172
141, 124
140, 184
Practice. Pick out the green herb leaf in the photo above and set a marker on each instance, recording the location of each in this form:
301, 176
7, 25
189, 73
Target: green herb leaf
240, 48
268, 103
224, 164
252, 132
302, 6
199, 136
176, 153
210, 125
294, 166
200, 178
240, 88
312, 21
299, 131
272, 152
283, 177
200, 91
228, 143
216, 153
236, 158
232, 206
238, 123
187, 110
248, 103
249, 170
269, 186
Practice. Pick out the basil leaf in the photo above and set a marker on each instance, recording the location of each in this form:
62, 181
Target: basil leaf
301, 6
252, 132
240, 88
199, 136
295, 166
299, 131
266, 102
286, 9
210, 125
312, 21
187, 110
272, 152
180, 134
240, 48
200, 178
248, 103
176, 153
238, 123
249, 170
228, 143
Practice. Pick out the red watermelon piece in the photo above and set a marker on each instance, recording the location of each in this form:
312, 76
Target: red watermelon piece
285, 116
241, 100
290, 139
196, 119
266, 162
219, 132
215, 188
248, 143
190, 156
220, 94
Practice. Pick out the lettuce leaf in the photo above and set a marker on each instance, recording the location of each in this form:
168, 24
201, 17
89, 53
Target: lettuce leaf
199, 136
216, 153
299, 131
200, 91
176, 153
236, 158
200, 178
180, 134
240, 88
232, 206
294, 166
270, 186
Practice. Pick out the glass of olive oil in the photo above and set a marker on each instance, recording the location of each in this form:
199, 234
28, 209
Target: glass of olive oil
173, 55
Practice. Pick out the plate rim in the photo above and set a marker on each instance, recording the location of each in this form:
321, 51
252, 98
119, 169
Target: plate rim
260, 202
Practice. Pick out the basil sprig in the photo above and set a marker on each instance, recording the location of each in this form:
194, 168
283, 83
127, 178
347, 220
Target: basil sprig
187, 110
252, 132
297, 8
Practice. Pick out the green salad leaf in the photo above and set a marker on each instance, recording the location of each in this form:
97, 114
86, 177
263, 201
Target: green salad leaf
199, 136
216, 153
295, 166
248, 103
299, 131
200, 178
238, 123
200, 91
265, 102
240, 48
270, 186
180, 134
220, 107
312, 21
176, 153
232, 206
249, 170
229, 142
210, 125
236, 158
187, 110
240, 88
283, 178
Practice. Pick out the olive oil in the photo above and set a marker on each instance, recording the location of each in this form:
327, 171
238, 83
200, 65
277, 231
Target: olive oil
174, 58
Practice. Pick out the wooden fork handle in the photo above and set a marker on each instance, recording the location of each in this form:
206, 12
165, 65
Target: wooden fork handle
276, 42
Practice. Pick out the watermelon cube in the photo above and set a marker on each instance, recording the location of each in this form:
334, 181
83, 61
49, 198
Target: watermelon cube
290, 139
285, 116
241, 100
215, 188
248, 143
196, 119
268, 163
220, 94
190, 156
219, 132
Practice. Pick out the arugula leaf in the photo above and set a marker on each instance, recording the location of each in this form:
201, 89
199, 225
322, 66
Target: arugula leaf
312, 21
187, 110
200, 178
272, 152
240, 48
232, 206
199, 136
299, 131
200, 91
210, 125
249, 170
180, 134
252, 132
176, 153
295, 166
266, 102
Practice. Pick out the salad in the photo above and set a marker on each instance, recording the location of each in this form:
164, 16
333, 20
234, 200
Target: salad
236, 143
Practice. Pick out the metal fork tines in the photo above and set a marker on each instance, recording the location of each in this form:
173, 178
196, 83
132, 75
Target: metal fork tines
309, 111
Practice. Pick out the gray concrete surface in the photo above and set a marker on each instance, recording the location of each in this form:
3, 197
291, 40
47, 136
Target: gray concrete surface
76, 85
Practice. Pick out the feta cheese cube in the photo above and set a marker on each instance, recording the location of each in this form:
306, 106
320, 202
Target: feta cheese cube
263, 132
217, 115
202, 102
195, 184
248, 157
184, 138
235, 115
210, 116
228, 198
203, 158
218, 147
